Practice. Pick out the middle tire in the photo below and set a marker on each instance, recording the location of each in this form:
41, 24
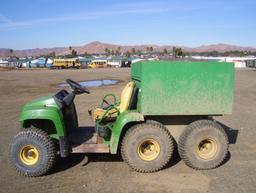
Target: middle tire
147, 147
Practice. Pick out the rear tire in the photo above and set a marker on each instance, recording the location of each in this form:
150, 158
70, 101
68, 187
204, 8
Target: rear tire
147, 147
203, 145
32, 152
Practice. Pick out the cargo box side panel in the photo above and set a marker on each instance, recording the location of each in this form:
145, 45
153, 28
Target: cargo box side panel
136, 76
136, 71
186, 88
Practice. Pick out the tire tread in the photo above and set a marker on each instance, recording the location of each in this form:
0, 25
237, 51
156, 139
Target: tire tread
137, 128
46, 142
183, 140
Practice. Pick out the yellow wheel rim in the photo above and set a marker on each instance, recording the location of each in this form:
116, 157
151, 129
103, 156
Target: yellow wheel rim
207, 149
148, 150
29, 155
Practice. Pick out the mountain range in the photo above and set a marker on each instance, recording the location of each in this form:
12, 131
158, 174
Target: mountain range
97, 47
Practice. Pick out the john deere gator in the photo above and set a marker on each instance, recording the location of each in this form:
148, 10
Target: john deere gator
161, 99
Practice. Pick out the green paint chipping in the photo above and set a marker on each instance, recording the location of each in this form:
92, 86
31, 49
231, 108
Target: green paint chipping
184, 88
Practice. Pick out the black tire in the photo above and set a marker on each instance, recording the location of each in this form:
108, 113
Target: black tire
142, 133
203, 145
42, 144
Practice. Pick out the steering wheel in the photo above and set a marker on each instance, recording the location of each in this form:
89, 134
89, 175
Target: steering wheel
105, 103
76, 87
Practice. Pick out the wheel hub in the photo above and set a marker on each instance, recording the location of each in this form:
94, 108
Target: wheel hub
148, 150
29, 155
207, 149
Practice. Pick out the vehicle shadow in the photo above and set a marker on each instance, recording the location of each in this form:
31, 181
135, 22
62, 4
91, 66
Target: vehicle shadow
175, 157
72, 160
63, 164
231, 133
103, 157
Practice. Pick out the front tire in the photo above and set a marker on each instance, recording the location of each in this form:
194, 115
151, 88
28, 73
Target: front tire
32, 152
147, 147
203, 145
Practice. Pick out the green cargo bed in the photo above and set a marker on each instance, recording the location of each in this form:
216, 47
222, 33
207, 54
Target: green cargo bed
184, 88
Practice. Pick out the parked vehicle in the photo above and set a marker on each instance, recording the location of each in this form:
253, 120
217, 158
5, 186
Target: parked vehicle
160, 96
66, 63
98, 64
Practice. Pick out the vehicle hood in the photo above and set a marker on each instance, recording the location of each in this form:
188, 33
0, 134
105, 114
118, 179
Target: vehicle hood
40, 103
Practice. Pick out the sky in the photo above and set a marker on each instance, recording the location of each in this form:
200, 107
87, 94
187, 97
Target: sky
28, 24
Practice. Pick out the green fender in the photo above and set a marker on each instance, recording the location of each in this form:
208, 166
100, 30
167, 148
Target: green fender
121, 121
51, 114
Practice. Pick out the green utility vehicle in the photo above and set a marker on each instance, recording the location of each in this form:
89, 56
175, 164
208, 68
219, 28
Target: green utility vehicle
163, 99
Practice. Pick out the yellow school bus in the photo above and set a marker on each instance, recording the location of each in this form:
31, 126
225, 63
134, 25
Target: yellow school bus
98, 64
66, 63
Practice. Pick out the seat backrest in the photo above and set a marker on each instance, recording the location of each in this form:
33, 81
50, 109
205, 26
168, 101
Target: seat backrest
126, 96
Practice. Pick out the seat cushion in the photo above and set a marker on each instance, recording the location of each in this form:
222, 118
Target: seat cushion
126, 94
97, 113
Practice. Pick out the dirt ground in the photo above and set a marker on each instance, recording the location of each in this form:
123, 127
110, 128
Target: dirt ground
107, 173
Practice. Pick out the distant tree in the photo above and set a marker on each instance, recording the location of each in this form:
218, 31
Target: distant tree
214, 53
107, 51
70, 49
165, 51
127, 54
87, 55
232, 53
52, 55
119, 50
139, 52
173, 51
112, 52
151, 49
180, 52
242, 54
177, 52
133, 51
74, 53
11, 52
49, 55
